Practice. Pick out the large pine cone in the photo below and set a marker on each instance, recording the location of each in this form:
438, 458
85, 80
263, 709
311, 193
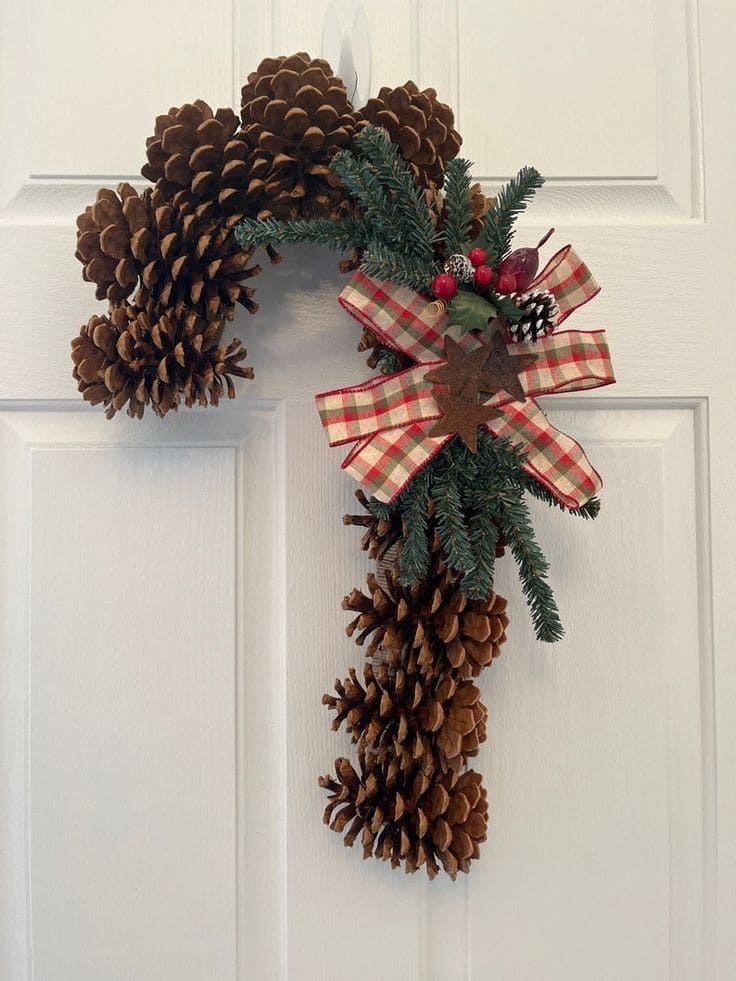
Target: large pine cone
400, 715
407, 817
133, 357
200, 161
297, 115
422, 127
433, 628
177, 260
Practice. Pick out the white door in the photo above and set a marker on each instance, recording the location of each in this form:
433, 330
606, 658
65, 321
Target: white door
171, 590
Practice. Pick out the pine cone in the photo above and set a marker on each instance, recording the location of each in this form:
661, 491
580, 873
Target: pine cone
297, 115
104, 234
422, 127
407, 817
539, 311
400, 715
381, 534
199, 160
177, 260
134, 357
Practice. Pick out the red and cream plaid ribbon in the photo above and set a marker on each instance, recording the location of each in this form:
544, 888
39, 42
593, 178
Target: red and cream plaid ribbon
389, 418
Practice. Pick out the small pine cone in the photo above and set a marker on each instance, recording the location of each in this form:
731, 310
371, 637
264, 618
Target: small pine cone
296, 115
134, 357
433, 628
381, 534
200, 162
422, 127
105, 231
398, 714
540, 310
409, 818
460, 268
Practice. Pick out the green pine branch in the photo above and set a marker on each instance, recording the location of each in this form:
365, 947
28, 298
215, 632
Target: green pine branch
336, 235
511, 201
457, 205
415, 552
516, 525
446, 493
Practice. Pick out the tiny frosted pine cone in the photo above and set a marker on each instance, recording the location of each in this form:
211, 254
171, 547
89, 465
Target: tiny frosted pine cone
539, 312
459, 267
421, 125
393, 713
200, 161
137, 357
296, 116
408, 818
128, 242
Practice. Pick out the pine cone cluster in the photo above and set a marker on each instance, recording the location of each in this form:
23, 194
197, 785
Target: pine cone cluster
137, 357
415, 716
421, 125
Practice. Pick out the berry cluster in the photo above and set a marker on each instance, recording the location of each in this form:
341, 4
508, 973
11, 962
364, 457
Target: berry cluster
514, 274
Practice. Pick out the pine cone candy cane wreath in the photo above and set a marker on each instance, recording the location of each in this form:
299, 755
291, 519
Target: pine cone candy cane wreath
447, 440
446, 446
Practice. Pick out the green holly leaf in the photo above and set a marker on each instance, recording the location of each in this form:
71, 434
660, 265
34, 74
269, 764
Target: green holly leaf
470, 311
506, 307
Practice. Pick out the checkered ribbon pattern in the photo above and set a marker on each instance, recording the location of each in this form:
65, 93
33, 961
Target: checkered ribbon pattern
388, 418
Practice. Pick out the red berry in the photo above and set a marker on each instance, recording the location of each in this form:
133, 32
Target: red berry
506, 283
477, 256
444, 286
483, 276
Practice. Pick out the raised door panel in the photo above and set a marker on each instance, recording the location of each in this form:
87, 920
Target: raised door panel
149, 765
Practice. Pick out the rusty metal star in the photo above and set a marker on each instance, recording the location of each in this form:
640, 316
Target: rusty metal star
489, 368
462, 418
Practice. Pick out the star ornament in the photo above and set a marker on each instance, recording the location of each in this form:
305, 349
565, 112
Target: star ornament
489, 368
461, 418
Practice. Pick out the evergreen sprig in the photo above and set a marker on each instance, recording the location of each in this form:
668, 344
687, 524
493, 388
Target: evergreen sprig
457, 205
476, 498
511, 201
393, 230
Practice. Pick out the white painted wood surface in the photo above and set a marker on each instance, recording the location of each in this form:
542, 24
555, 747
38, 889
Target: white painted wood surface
169, 592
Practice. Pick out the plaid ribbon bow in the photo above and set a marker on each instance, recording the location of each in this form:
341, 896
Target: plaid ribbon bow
389, 418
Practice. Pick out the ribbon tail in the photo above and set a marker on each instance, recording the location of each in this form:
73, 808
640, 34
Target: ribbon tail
385, 462
569, 280
553, 458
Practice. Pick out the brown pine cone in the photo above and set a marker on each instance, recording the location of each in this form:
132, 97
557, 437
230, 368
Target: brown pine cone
433, 628
407, 817
380, 534
400, 715
104, 233
422, 127
200, 161
177, 260
297, 115
133, 356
